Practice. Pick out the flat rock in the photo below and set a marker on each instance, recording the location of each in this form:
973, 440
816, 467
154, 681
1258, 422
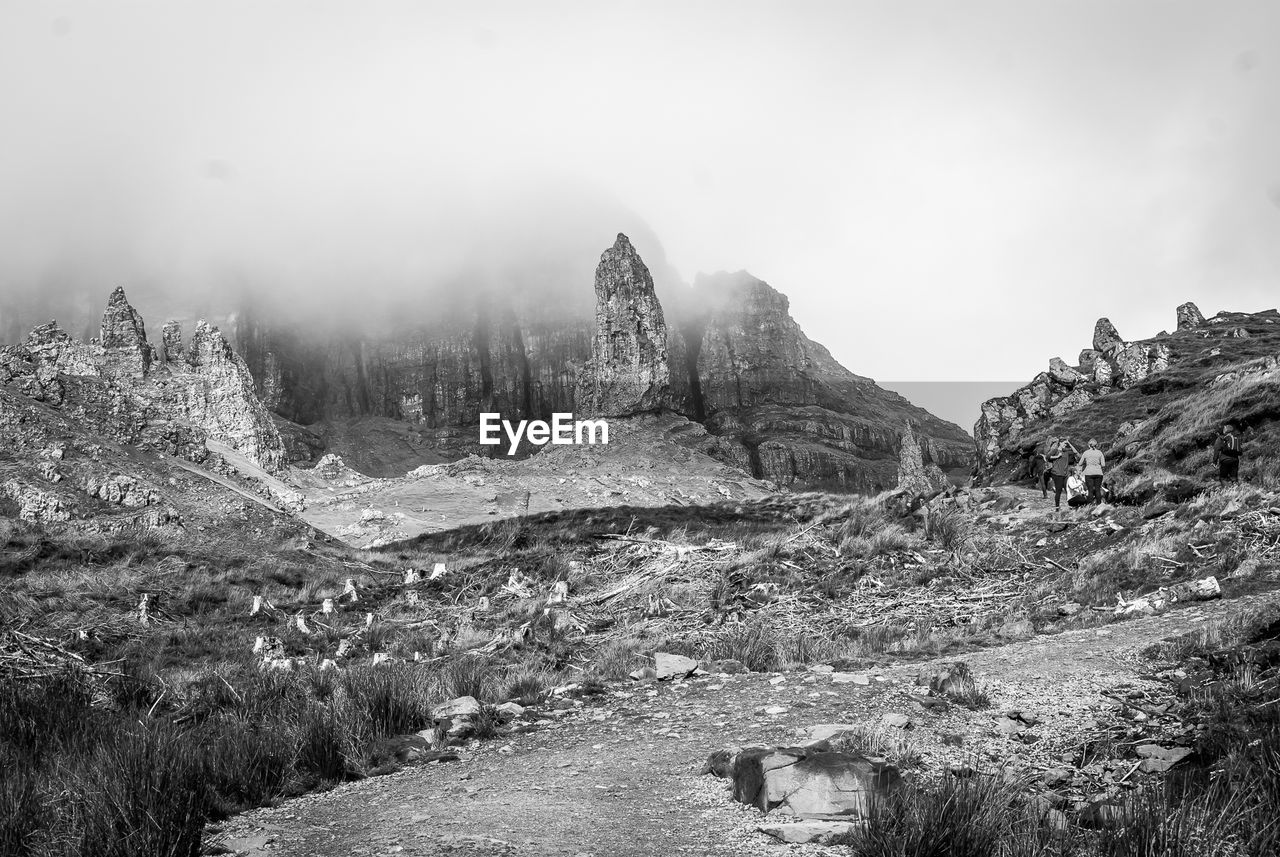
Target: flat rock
463, 706
808, 832
811, 782
1157, 759
668, 666
850, 678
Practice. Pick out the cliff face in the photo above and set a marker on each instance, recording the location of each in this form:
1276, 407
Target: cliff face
725, 353
804, 419
119, 387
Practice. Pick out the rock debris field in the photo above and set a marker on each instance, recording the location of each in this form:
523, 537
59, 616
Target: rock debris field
621, 772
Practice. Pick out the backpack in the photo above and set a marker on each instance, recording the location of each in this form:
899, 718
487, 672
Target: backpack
1231, 445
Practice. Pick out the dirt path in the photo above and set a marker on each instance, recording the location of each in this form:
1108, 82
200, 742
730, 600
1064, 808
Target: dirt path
619, 775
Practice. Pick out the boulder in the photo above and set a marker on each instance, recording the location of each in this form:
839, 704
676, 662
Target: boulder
1105, 335
667, 665
810, 782
1062, 373
1157, 759
895, 720
1189, 316
463, 706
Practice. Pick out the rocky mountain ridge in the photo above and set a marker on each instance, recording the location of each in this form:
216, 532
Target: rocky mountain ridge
169, 398
725, 353
1164, 396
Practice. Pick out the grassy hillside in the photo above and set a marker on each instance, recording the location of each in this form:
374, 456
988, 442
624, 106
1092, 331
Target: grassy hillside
1166, 424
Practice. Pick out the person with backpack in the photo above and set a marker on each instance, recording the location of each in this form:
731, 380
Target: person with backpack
1093, 464
1060, 468
1226, 454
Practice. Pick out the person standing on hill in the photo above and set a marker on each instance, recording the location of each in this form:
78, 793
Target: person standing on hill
1040, 466
1226, 454
1093, 464
1060, 467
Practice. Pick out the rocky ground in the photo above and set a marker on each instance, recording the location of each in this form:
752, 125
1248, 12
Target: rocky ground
649, 461
620, 773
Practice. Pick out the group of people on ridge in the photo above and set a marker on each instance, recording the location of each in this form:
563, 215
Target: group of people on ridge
1059, 463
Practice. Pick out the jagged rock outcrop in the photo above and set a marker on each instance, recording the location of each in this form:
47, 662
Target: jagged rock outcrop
915, 475
32, 503
125, 350
1189, 316
735, 361
628, 372
1009, 426
1135, 363
171, 341
117, 387
1105, 335
218, 395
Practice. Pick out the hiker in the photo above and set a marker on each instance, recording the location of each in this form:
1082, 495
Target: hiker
1040, 466
1226, 454
1093, 464
1060, 467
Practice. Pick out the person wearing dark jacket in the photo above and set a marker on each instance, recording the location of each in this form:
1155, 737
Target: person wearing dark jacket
1040, 466
1060, 468
1227, 450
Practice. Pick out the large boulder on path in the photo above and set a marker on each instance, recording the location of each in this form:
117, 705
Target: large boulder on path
811, 782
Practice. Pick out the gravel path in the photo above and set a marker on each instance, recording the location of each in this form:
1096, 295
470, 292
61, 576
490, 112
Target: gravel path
619, 774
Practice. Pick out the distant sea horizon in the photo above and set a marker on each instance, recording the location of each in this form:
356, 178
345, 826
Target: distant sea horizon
958, 402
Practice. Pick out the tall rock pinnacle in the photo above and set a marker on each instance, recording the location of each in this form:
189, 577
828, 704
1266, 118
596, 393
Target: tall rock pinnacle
628, 372
124, 338
914, 475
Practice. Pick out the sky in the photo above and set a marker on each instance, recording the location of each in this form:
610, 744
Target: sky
947, 192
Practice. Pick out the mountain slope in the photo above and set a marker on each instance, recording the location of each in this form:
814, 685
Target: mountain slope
1154, 404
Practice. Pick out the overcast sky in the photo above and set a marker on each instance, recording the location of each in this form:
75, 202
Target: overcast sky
946, 190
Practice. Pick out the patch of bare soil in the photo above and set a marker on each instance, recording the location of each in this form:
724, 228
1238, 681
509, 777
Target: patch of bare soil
618, 774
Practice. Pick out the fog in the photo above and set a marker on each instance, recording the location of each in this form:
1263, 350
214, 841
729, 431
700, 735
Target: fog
945, 191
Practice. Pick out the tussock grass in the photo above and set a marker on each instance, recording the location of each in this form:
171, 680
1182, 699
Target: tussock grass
754, 644
896, 748
959, 686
